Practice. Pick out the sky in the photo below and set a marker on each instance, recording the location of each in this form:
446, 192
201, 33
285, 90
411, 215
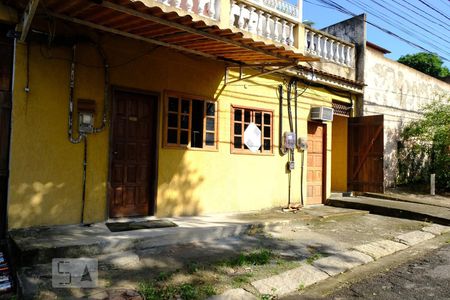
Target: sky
423, 22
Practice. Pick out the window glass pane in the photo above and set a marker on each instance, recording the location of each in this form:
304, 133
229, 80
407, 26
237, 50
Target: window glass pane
173, 104
172, 136
258, 117
238, 115
237, 142
184, 137
267, 131
238, 128
210, 124
267, 119
267, 145
172, 120
198, 108
210, 109
185, 106
185, 122
209, 140
247, 116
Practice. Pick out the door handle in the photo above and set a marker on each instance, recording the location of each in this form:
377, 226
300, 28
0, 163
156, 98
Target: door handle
115, 152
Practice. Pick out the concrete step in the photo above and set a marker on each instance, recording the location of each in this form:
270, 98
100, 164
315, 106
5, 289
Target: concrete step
75, 241
400, 209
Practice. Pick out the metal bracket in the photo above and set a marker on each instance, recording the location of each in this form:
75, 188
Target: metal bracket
27, 18
263, 71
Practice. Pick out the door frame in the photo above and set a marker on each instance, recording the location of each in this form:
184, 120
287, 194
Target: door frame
152, 209
324, 161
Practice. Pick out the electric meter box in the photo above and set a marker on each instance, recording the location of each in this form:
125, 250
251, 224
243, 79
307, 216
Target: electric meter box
86, 111
289, 140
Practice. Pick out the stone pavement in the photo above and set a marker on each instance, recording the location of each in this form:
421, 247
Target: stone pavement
308, 274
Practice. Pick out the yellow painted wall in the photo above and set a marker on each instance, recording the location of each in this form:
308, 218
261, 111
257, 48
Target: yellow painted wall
339, 155
46, 169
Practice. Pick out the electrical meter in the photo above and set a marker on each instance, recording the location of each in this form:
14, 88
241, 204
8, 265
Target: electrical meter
86, 111
302, 144
289, 140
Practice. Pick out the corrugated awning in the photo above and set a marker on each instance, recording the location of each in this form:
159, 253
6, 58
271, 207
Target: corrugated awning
153, 22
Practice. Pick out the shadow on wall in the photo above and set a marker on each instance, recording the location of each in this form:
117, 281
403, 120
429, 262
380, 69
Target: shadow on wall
391, 156
178, 183
35, 206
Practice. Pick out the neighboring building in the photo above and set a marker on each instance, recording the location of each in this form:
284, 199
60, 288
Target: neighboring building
399, 93
171, 88
394, 92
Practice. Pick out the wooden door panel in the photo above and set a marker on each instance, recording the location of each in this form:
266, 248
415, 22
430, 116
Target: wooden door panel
315, 163
133, 172
365, 156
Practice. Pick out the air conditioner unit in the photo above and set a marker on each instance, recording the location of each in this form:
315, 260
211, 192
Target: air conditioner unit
322, 113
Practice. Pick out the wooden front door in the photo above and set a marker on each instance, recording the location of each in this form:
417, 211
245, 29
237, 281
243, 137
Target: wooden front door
316, 163
133, 155
365, 154
6, 62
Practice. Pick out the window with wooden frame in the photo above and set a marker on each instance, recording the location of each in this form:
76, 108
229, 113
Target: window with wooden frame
241, 117
190, 122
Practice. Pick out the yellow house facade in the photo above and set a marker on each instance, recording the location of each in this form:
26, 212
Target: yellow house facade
174, 140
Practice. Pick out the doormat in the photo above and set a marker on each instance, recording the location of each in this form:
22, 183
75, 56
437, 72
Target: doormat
150, 224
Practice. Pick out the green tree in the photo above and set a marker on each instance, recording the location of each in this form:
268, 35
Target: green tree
428, 63
427, 146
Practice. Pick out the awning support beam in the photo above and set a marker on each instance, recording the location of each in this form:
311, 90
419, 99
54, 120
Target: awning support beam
261, 73
185, 28
27, 18
134, 36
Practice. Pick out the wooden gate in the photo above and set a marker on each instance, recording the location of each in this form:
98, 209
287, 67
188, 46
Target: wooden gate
6, 61
365, 154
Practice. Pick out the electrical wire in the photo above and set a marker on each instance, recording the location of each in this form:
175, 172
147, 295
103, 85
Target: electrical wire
343, 10
430, 6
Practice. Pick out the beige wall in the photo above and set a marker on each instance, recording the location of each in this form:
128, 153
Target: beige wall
398, 92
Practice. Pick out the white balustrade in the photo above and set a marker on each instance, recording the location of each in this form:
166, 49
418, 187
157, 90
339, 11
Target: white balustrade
207, 8
329, 47
264, 19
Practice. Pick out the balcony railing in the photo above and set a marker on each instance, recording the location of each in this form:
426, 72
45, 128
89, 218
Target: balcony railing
329, 47
206, 8
273, 19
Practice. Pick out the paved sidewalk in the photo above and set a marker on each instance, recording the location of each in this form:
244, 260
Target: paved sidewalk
402, 209
436, 200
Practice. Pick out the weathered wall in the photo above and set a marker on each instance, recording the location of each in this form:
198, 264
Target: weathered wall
398, 92
46, 169
352, 30
339, 155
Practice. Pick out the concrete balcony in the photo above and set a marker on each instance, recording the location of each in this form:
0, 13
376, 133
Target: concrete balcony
205, 8
276, 20
337, 56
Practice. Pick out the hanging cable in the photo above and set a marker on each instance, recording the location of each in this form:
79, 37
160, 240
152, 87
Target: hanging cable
71, 95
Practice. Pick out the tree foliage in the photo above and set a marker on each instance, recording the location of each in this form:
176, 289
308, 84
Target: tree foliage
426, 146
427, 63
